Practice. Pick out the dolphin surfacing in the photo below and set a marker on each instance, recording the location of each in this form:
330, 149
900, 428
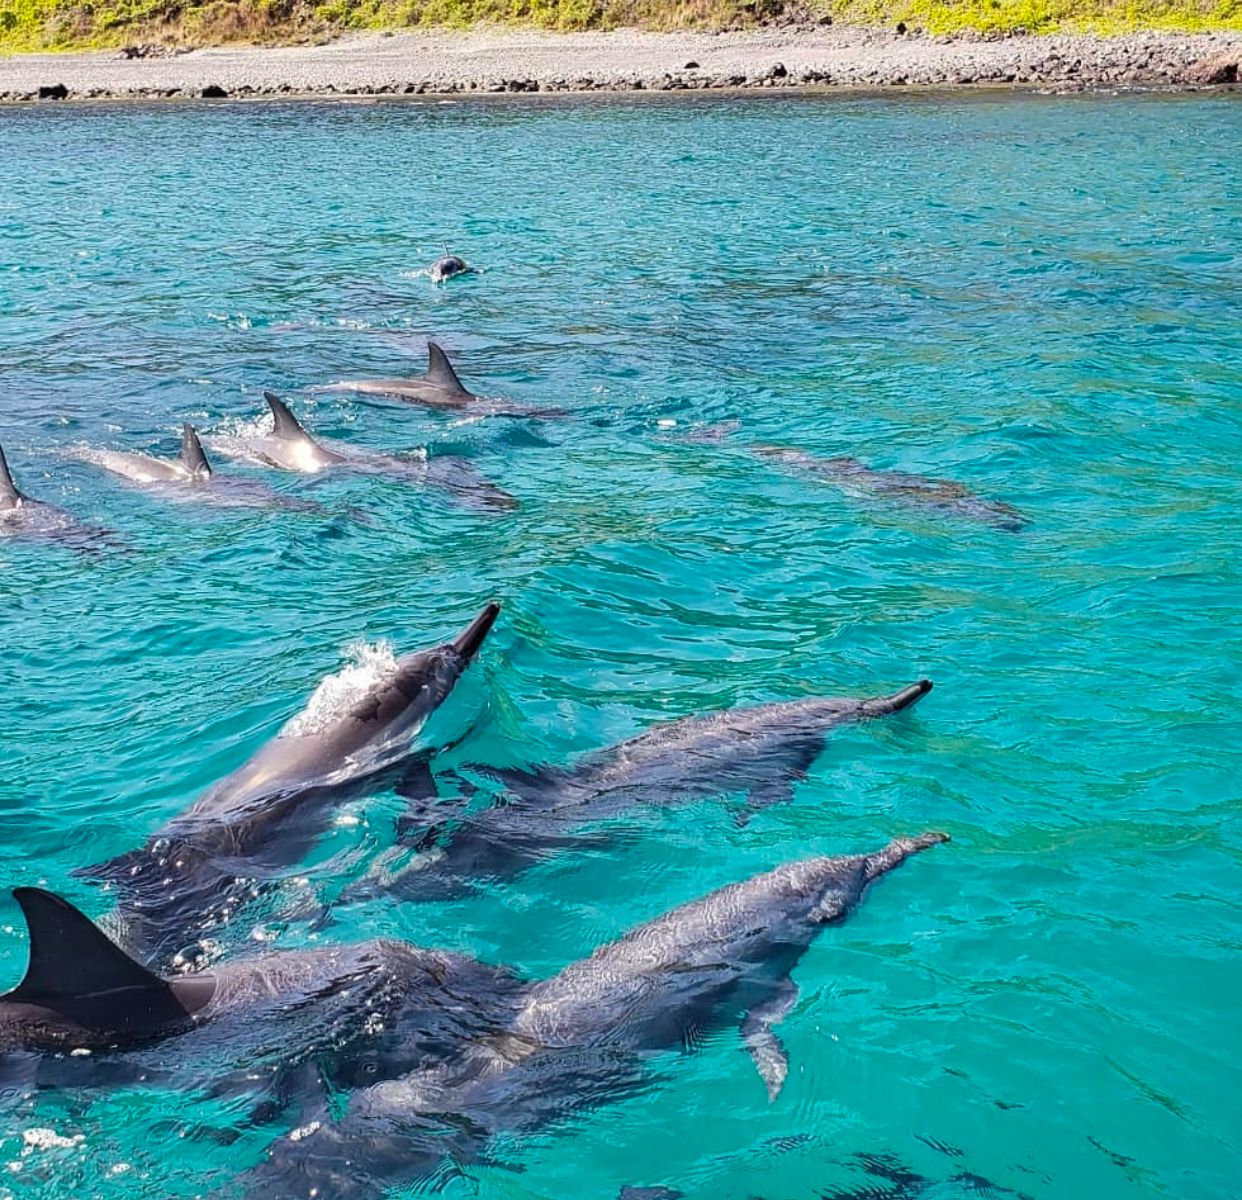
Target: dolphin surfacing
23, 516
189, 877
369, 1010
583, 1035
290, 448
439, 388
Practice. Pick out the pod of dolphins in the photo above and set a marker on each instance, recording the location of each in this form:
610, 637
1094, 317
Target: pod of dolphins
437, 1052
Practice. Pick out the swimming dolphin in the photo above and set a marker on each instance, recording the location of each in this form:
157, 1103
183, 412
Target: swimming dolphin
447, 267
439, 388
22, 516
373, 1010
945, 495
762, 750
190, 466
582, 1036
290, 448
188, 878
189, 476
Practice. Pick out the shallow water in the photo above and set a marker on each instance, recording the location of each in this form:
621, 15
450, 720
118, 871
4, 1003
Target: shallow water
1036, 297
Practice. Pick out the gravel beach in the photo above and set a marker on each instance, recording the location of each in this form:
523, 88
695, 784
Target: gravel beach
627, 60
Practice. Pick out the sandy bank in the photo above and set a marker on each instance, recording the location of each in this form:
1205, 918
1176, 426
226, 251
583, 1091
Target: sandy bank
500, 61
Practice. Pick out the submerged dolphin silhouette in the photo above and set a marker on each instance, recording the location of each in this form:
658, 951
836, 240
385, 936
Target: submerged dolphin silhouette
190, 876
290, 448
370, 1010
581, 1036
22, 516
949, 497
763, 750
439, 387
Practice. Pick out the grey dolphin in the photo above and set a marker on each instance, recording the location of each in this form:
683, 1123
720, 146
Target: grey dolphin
189, 877
23, 516
290, 448
439, 388
948, 497
448, 267
583, 1035
190, 466
371, 1010
762, 750
189, 476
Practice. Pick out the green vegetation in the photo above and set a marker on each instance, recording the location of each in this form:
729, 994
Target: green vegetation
65, 24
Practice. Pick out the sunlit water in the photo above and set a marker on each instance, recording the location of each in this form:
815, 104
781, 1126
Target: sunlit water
1037, 297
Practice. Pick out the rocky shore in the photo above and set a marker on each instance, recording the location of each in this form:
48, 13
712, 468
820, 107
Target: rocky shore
493, 61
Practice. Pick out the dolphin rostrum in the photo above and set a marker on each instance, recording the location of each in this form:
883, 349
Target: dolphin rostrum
189, 877
439, 388
23, 516
370, 1010
762, 750
290, 448
582, 1035
944, 495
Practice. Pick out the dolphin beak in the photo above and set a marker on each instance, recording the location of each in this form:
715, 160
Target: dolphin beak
467, 642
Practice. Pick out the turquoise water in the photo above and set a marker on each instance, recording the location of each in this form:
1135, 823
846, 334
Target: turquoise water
1037, 297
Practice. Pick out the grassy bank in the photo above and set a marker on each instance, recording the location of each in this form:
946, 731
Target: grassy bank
82, 24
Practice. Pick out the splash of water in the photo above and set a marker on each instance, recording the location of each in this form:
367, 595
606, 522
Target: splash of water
369, 666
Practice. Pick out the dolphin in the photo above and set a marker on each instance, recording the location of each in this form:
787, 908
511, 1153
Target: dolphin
447, 267
439, 388
762, 750
22, 516
583, 1035
944, 495
290, 448
190, 876
190, 466
190, 476
372, 1010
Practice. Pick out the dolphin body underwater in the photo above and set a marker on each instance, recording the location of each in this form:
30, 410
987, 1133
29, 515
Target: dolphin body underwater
582, 1036
188, 878
439, 388
190, 476
22, 516
953, 499
762, 750
290, 448
376, 1010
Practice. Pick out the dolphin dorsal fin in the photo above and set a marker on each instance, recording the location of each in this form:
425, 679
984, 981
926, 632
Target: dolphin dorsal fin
9, 494
192, 454
440, 370
77, 972
285, 425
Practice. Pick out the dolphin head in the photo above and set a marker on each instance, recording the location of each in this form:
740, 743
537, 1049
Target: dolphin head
424, 679
82, 990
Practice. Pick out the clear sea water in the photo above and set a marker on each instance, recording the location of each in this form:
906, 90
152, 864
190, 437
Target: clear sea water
1036, 296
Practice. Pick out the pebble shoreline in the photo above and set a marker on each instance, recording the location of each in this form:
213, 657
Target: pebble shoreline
491, 61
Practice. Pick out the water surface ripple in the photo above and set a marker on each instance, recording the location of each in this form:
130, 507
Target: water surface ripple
1036, 297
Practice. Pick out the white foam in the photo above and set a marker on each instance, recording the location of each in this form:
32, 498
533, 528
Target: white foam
369, 667
49, 1139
